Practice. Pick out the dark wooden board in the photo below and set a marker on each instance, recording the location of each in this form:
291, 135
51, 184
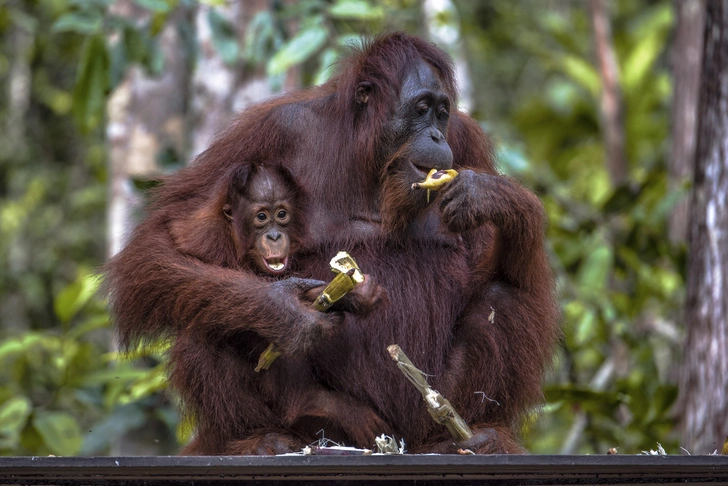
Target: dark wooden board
391, 470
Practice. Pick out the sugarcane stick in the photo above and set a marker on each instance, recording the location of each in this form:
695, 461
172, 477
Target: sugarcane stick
347, 277
341, 285
438, 406
267, 357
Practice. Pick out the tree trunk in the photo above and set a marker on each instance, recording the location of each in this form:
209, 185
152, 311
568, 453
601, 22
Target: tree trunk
145, 117
704, 398
219, 89
443, 25
14, 144
686, 56
612, 112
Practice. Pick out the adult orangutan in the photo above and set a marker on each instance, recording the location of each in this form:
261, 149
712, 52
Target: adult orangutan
470, 294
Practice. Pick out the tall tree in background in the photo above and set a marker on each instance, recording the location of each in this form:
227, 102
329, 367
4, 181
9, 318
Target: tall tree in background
171, 116
611, 109
145, 115
221, 86
704, 398
686, 56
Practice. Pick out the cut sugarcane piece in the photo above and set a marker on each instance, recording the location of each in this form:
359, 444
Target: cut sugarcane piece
438, 406
348, 276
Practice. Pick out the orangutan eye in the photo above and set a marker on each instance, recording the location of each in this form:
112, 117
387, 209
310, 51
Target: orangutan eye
282, 214
261, 216
422, 107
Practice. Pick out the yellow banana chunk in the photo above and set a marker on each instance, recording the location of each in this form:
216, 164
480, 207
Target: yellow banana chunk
436, 179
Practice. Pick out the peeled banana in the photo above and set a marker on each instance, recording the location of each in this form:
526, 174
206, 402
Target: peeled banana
435, 180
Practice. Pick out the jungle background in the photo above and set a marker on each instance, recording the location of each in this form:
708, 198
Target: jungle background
592, 104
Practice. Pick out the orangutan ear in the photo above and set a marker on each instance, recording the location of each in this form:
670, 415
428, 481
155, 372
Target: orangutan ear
240, 178
362, 93
228, 212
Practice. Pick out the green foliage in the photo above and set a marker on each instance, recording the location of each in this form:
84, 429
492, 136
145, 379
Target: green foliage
326, 31
55, 337
103, 62
52, 179
59, 431
356, 9
301, 47
223, 37
89, 95
57, 387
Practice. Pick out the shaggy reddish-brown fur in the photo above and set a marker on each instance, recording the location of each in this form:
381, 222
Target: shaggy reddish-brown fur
470, 294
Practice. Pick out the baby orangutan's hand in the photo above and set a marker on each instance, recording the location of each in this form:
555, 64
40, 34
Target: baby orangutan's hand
361, 300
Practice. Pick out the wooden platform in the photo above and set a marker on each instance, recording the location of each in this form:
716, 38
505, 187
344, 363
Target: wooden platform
390, 470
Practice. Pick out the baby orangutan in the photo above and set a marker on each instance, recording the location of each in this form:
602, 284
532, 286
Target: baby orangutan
264, 209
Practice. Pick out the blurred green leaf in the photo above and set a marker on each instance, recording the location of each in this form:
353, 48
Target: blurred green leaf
160, 6
328, 59
59, 431
134, 43
300, 48
77, 22
260, 35
98, 5
76, 295
650, 37
19, 345
153, 381
94, 322
582, 72
89, 94
122, 373
585, 327
224, 37
14, 414
595, 269
584, 397
357, 9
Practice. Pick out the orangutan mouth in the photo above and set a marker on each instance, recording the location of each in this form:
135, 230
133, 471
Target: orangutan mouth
276, 264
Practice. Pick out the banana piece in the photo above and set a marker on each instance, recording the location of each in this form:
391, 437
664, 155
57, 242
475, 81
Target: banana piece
435, 180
